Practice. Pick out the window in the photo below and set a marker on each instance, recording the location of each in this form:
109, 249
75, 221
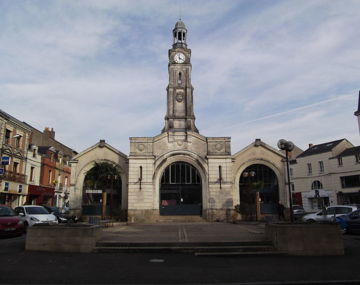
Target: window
316, 185
34, 152
15, 167
17, 141
350, 181
321, 166
340, 162
357, 158
66, 181
20, 188
343, 210
50, 174
291, 172
309, 167
32, 169
292, 187
6, 186
7, 136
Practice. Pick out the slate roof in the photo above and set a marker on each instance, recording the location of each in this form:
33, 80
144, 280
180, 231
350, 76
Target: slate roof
320, 148
350, 151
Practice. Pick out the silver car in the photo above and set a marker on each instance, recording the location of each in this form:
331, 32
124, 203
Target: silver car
329, 214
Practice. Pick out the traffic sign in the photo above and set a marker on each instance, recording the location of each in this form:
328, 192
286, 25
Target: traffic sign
5, 160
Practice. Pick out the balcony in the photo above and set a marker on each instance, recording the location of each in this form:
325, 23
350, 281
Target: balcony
15, 177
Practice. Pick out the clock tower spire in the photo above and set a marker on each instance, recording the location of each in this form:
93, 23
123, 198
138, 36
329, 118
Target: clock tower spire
180, 114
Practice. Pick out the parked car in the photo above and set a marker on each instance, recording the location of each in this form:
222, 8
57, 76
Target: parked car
61, 214
32, 214
10, 222
350, 223
329, 213
298, 210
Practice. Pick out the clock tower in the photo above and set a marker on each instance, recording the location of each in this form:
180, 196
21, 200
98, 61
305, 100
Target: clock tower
180, 114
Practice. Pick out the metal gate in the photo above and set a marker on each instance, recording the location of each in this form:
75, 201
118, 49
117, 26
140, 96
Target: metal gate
180, 190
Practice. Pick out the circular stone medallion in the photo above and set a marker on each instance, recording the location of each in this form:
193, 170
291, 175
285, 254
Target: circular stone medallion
140, 147
179, 97
219, 146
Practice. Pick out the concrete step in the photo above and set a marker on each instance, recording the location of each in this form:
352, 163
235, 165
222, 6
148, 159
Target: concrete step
186, 249
192, 244
199, 248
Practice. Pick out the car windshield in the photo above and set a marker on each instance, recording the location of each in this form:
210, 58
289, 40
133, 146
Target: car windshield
36, 211
6, 212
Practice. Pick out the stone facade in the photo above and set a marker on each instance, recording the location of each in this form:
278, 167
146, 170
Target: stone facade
217, 171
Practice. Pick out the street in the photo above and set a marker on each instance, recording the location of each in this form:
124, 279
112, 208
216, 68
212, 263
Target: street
19, 266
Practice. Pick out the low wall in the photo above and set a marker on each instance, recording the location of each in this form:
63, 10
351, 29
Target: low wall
306, 239
62, 238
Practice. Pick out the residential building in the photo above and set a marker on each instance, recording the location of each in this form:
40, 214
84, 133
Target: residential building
357, 112
55, 172
317, 173
14, 144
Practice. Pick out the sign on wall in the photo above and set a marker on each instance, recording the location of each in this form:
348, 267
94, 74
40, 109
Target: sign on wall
5, 160
93, 191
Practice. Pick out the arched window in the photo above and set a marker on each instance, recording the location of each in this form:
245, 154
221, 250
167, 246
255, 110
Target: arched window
179, 80
316, 185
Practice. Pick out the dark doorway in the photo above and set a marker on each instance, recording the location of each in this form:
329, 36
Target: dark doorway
180, 190
258, 188
102, 178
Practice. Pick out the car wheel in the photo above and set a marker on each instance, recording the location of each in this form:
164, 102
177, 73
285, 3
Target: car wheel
310, 221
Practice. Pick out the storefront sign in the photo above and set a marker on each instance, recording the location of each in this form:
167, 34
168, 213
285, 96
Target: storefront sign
5, 160
93, 191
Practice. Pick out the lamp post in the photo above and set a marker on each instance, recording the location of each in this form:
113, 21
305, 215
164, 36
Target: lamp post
287, 146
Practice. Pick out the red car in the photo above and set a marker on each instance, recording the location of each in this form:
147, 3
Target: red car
10, 222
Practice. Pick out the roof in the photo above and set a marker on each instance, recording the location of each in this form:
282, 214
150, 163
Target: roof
320, 148
350, 151
180, 25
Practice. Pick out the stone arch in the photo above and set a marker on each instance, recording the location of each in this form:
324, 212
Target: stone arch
80, 177
246, 164
162, 163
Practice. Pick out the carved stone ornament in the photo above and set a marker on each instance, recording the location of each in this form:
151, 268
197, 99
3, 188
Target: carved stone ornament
179, 97
140, 147
219, 146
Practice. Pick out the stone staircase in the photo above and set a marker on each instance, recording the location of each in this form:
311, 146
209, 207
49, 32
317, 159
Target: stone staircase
196, 248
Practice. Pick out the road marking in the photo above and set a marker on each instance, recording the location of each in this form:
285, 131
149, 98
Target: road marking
155, 260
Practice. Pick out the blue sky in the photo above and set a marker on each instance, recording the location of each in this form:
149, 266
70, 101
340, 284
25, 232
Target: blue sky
261, 69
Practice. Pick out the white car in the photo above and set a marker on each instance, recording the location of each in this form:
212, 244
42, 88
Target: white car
32, 214
329, 213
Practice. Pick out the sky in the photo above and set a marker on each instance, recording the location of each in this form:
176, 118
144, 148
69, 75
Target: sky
95, 69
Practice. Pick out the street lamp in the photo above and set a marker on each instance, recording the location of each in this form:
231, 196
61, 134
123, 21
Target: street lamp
287, 146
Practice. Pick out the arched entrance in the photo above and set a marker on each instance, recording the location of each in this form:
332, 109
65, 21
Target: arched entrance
180, 190
102, 191
259, 192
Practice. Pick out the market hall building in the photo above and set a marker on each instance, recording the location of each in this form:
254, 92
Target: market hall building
181, 174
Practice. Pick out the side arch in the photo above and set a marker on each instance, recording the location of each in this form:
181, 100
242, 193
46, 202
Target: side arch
80, 177
267, 163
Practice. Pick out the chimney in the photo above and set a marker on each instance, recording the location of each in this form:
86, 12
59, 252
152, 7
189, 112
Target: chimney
49, 133
310, 145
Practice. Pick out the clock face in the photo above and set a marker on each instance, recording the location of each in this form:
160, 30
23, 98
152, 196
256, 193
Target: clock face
179, 57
